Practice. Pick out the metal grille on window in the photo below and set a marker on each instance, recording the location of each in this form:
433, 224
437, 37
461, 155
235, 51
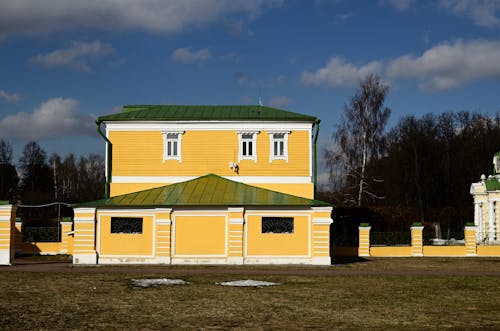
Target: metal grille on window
126, 225
277, 224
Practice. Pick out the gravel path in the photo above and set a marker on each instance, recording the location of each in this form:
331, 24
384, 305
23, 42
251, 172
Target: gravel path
344, 269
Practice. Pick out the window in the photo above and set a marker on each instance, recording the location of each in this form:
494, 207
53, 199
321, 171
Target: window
126, 225
279, 145
172, 147
247, 146
277, 224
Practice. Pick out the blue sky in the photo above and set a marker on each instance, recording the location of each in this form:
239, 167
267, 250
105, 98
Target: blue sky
65, 62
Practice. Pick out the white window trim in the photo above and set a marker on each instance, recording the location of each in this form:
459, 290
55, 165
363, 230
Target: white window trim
254, 144
178, 157
271, 146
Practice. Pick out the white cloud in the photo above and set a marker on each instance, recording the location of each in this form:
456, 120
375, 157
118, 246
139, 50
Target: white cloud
449, 65
237, 27
279, 102
338, 72
76, 55
56, 117
35, 17
186, 55
9, 97
482, 12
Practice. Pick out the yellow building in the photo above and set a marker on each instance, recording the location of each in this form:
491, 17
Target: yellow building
206, 184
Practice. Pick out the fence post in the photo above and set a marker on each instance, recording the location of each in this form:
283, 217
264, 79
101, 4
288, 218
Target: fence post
66, 225
18, 235
364, 239
7, 221
470, 240
417, 247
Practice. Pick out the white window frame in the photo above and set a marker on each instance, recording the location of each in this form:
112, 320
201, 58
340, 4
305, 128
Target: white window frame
177, 157
272, 154
254, 145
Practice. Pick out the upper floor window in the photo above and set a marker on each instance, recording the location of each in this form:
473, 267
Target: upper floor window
279, 145
247, 145
172, 145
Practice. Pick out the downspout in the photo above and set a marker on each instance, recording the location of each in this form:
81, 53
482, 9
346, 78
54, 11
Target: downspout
315, 164
108, 159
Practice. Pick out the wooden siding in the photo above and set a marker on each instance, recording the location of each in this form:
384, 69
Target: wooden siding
140, 153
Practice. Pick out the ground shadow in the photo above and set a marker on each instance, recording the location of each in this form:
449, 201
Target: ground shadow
348, 260
33, 258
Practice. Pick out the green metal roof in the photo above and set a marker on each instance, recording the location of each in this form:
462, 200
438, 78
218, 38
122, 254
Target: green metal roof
208, 190
208, 113
492, 184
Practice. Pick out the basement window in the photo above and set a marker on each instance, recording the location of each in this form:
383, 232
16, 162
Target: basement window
132, 225
277, 224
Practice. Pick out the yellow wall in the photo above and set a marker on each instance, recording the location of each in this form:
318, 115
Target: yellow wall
488, 250
302, 190
444, 250
124, 188
392, 251
140, 153
284, 244
200, 235
126, 243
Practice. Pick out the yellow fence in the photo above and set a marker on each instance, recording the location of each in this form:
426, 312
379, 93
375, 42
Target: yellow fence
65, 246
416, 248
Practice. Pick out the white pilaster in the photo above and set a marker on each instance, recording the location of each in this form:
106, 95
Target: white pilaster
478, 221
491, 220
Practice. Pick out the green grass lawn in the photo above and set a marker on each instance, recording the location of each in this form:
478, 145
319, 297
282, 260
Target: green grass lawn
95, 300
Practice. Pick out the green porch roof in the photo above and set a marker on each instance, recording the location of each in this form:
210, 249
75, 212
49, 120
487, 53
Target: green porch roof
208, 113
209, 190
492, 184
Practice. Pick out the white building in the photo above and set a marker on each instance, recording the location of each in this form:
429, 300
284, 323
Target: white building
486, 194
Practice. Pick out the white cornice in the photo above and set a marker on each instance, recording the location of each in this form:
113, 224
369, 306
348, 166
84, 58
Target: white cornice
207, 126
241, 179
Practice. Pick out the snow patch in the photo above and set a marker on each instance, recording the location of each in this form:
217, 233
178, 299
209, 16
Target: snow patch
144, 283
248, 282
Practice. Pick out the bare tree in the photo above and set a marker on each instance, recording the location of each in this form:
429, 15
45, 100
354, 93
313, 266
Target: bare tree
360, 135
8, 174
36, 184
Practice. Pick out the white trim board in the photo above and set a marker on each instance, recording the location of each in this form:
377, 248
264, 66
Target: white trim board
240, 179
208, 126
